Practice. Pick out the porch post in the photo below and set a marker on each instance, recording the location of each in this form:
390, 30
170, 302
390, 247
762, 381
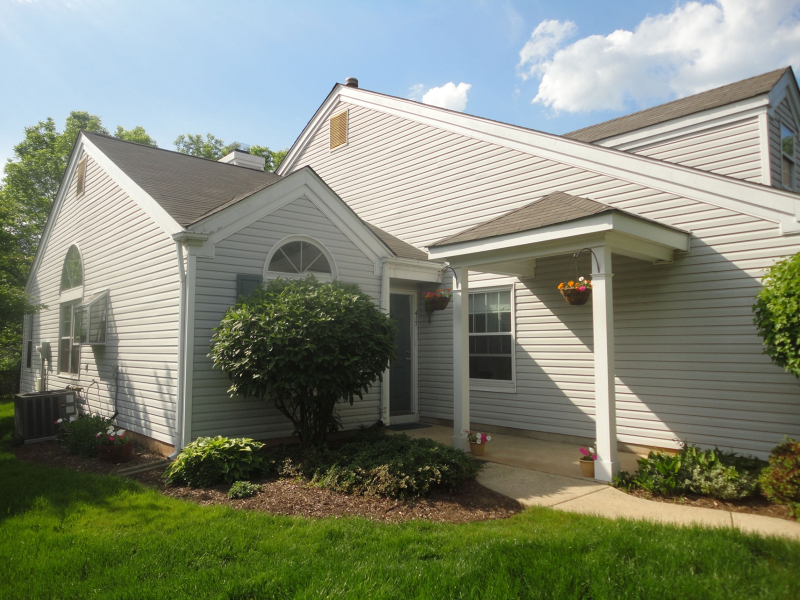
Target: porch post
607, 463
461, 359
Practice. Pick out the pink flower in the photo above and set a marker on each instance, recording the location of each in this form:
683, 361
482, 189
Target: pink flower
594, 456
582, 288
111, 438
98, 434
584, 451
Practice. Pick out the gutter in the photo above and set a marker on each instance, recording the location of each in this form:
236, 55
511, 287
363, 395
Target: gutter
181, 401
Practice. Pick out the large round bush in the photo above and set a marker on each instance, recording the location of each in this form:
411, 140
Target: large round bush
304, 345
777, 314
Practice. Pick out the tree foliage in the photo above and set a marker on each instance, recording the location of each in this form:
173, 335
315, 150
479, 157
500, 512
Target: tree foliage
137, 135
213, 148
777, 314
304, 345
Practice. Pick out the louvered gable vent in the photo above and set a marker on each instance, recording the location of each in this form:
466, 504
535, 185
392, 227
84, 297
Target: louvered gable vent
81, 183
338, 123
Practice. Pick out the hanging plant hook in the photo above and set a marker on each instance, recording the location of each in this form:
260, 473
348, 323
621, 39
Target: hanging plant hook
577, 254
445, 268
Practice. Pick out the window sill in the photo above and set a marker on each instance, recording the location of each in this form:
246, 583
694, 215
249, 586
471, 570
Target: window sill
505, 387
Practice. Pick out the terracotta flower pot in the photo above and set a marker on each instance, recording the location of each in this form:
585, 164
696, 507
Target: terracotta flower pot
477, 449
115, 454
587, 467
577, 297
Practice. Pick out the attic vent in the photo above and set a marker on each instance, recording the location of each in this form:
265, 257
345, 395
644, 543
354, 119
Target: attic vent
338, 129
81, 177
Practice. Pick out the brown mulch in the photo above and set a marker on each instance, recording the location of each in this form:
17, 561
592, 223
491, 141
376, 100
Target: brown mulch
51, 454
757, 505
470, 502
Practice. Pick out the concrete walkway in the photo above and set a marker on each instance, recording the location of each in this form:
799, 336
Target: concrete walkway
541, 473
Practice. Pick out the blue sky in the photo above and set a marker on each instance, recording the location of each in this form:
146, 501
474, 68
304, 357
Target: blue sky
255, 72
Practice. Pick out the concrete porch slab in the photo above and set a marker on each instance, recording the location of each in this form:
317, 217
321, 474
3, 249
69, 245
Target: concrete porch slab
535, 488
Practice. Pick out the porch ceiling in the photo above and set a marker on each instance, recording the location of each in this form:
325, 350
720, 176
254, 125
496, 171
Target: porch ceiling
558, 224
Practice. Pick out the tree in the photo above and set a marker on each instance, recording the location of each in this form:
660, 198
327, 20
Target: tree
305, 346
777, 314
137, 135
273, 158
209, 147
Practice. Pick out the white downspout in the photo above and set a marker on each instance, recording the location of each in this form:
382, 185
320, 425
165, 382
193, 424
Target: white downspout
181, 400
385, 307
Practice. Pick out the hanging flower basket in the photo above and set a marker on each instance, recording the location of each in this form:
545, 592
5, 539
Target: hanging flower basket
577, 292
437, 300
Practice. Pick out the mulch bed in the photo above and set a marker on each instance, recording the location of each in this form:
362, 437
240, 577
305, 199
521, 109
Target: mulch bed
757, 505
471, 502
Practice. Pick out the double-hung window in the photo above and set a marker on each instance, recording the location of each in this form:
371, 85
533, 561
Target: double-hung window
788, 157
81, 323
491, 336
28, 345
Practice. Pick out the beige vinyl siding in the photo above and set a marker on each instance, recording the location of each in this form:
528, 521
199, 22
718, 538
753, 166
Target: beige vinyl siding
783, 114
731, 149
126, 252
213, 411
689, 362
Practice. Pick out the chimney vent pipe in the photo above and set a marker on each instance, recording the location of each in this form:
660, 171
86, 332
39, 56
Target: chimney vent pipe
351, 82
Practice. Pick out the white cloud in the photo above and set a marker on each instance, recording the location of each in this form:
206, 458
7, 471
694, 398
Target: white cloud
694, 48
450, 96
416, 92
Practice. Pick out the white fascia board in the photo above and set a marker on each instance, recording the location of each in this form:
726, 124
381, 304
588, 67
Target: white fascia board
687, 125
486, 261
154, 210
662, 239
301, 184
748, 198
414, 270
322, 114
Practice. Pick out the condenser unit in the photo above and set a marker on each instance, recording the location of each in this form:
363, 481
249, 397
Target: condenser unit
35, 414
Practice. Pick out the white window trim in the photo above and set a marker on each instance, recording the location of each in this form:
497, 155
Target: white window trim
508, 387
346, 111
102, 295
793, 159
300, 238
75, 293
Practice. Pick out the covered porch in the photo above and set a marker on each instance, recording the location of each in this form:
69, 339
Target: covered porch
556, 224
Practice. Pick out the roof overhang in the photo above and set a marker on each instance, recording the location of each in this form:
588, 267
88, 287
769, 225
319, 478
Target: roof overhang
511, 254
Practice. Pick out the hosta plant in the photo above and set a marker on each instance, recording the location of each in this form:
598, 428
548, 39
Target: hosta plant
208, 461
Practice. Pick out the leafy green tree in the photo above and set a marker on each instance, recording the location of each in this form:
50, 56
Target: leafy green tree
210, 147
137, 135
304, 346
273, 158
777, 314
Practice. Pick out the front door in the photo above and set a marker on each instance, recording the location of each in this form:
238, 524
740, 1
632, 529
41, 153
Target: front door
400, 373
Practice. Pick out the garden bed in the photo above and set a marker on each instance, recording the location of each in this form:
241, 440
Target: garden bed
294, 497
757, 505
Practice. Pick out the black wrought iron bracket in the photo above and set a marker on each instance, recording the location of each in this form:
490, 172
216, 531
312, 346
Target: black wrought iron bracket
577, 254
443, 269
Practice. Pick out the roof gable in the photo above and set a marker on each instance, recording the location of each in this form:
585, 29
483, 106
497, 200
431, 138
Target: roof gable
187, 187
721, 96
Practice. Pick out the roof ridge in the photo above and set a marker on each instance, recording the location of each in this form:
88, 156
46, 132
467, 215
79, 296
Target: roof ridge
176, 152
676, 100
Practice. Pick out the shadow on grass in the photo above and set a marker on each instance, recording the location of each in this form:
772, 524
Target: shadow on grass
25, 485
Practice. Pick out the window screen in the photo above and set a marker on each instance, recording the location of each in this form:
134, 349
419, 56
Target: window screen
491, 341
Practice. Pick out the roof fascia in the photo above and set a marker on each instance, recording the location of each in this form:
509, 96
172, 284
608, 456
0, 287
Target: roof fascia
753, 199
153, 209
414, 270
323, 112
611, 221
687, 125
304, 183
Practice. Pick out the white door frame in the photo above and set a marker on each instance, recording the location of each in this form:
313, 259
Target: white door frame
414, 416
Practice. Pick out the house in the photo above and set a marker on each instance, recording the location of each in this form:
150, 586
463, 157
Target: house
684, 205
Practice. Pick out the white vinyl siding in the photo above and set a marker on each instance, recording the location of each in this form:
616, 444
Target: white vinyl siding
125, 252
214, 412
689, 363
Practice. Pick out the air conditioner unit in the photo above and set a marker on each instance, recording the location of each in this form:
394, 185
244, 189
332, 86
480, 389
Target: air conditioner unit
35, 414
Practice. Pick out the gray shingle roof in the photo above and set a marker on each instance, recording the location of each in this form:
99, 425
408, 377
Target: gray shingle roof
187, 187
558, 207
727, 94
399, 247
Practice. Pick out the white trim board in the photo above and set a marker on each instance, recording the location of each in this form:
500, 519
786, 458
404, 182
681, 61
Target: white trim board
748, 198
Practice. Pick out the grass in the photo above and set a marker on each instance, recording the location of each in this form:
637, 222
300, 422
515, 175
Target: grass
74, 535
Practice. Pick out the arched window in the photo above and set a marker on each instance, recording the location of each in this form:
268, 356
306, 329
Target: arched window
299, 256
72, 271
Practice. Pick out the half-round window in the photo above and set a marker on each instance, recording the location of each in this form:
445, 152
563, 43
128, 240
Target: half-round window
72, 271
299, 257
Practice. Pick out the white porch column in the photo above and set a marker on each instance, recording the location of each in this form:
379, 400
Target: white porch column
461, 359
385, 306
607, 463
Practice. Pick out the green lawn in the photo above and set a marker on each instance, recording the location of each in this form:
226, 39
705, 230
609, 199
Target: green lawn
70, 535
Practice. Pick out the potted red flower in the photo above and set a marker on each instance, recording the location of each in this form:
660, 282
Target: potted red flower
587, 460
477, 442
437, 300
114, 445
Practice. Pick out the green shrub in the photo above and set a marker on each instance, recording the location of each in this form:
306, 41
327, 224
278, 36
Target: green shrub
243, 489
777, 314
80, 436
376, 464
208, 461
714, 473
305, 346
780, 481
